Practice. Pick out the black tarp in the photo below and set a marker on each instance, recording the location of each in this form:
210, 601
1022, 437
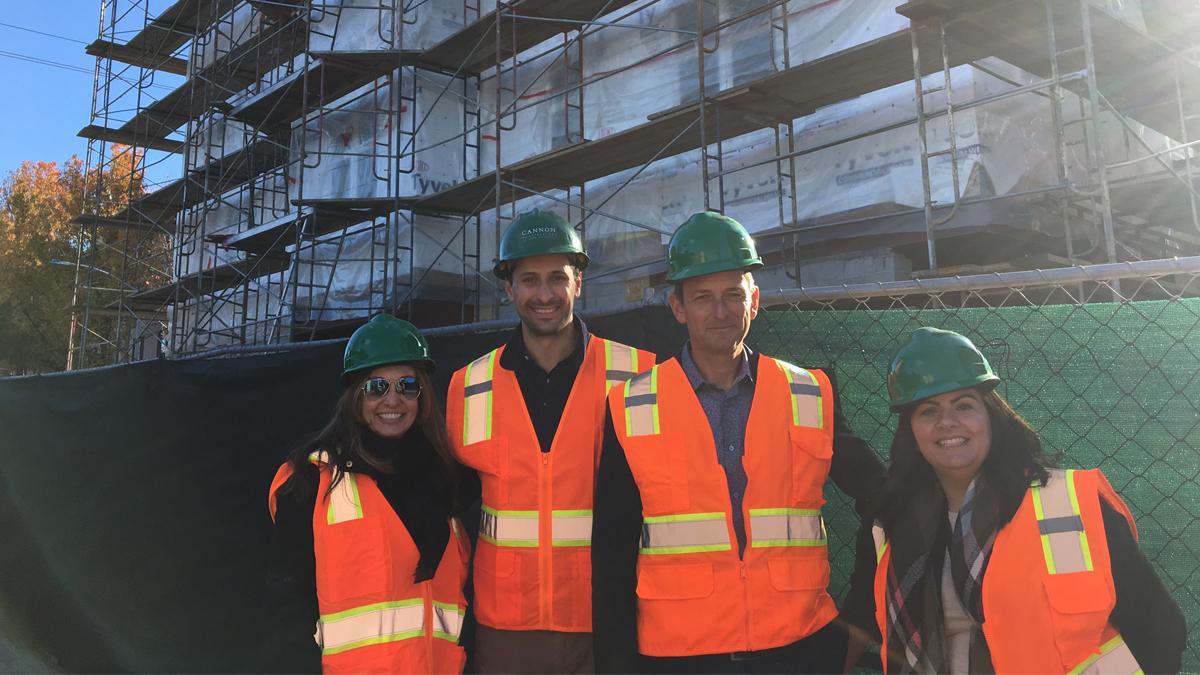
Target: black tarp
133, 521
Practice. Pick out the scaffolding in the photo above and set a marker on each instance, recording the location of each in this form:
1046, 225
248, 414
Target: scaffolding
343, 158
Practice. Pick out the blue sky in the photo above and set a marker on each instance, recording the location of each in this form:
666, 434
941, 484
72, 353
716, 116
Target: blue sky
47, 104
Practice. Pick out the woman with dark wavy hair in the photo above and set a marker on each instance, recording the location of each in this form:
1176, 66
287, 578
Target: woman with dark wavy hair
983, 557
367, 547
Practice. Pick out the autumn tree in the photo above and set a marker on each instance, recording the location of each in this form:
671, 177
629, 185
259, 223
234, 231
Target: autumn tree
39, 246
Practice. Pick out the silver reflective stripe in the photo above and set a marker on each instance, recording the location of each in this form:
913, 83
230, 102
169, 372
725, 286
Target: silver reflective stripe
786, 527
447, 621
1060, 525
571, 527
344, 501
1114, 659
807, 405
641, 404
880, 539
685, 533
370, 625
620, 363
508, 528
477, 399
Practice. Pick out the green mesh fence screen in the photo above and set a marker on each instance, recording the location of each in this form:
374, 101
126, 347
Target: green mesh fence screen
1114, 385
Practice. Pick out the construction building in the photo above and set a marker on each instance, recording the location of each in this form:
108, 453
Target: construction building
342, 158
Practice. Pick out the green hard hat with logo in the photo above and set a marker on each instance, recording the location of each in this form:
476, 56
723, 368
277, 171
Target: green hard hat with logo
383, 340
934, 362
538, 232
710, 242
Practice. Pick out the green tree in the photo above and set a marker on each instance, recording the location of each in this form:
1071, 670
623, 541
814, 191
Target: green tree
37, 202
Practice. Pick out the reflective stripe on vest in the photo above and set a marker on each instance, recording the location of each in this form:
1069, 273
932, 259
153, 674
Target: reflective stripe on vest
1064, 542
477, 399
447, 621
807, 406
1114, 658
641, 404
620, 363
786, 527
685, 533
371, 625
344, 502
386, 622
520, 528
880, 538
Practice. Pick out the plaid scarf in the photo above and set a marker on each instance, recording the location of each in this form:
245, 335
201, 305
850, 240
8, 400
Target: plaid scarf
920, 539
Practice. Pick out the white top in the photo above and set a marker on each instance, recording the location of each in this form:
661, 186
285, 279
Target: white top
956, 620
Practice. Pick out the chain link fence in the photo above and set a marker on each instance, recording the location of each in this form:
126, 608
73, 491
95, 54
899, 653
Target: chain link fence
1104, 361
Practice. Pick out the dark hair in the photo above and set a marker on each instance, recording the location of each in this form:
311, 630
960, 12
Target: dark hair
509, 266
342, 437
1014, 461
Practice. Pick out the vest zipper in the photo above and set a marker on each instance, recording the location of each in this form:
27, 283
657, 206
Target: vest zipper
745, 600
427, 598
545, 543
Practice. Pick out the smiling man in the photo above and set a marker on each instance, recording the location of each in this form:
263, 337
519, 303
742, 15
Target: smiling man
528, 417
709, 550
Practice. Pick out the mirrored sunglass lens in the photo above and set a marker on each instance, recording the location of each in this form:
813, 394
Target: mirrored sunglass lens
376, 386
409, 387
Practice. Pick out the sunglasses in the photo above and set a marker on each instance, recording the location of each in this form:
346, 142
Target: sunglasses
378, 387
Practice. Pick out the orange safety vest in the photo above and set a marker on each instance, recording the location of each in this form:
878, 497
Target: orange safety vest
373, 617
694, 595
1048, 589
533, 567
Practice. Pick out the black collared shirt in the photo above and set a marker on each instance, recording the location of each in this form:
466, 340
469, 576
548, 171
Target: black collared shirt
545, 393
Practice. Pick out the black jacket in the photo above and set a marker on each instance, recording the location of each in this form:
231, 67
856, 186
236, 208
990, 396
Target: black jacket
417, 494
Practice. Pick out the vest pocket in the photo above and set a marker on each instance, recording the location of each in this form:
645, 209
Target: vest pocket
1078, 592
659, 464
811, 453
1080, 605
675, 582
495, 561
810, 573
490, 459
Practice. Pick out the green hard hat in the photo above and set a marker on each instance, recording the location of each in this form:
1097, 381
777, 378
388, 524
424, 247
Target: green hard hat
934, 362
538, 232
385, 339
710, 242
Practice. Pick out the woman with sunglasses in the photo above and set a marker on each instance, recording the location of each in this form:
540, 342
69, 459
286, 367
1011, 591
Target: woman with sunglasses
984, 557
367, 548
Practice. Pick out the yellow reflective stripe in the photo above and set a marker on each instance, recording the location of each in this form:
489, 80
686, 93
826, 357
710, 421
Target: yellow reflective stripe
477, 399
685, 533
620, 363
371, 624
786, 527
641, 404
508, 528
805, 390
881, 543
571, 527
344, 502
447, 621
1083, 541
1060, 525
1114, 658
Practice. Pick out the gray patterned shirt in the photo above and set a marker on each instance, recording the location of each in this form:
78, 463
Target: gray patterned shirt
728, 412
